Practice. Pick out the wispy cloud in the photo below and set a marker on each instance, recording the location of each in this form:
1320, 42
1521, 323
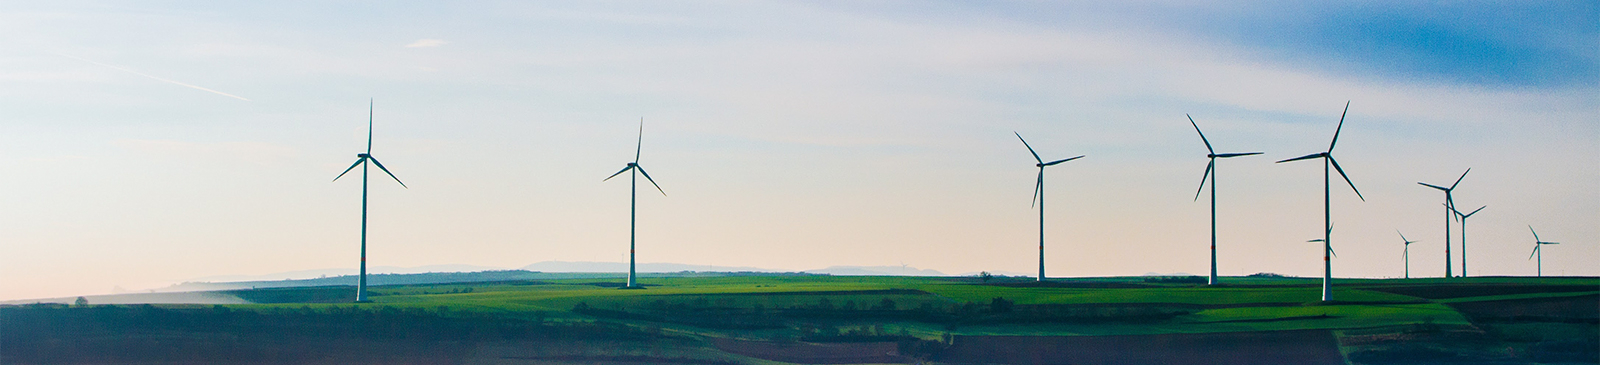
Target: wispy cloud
154, 77
426, 42
260, 153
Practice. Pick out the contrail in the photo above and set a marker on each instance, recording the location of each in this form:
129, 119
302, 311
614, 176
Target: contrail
153, 77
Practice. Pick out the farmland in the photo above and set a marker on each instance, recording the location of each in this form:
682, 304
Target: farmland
764, 319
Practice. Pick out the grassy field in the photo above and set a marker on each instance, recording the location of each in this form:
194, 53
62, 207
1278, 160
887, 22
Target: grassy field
840, 319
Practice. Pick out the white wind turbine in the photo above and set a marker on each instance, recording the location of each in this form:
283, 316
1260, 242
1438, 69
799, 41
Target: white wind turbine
1536, 251
361, 160
1210, 166
1038, 195
1327, 192
633, 211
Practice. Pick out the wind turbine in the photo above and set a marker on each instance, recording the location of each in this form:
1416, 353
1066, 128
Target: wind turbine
1463, 218
1536, 251
361, 160
1324, 240
633, 211
1449, 207
1213, 156
1407, 254
1038, 195
1327, 192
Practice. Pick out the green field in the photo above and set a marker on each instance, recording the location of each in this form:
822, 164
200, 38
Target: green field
736, 318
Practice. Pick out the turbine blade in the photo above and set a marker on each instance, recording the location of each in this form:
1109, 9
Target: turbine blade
1227, 155
363, 159
652, 181
386, 171
1474, 211
1306, 157
1535, 251
1052, 163
1037, 186
1331, 251
625, 169
637, 149
369, 125
1458, 180
1340, 128
1030, 148
1441, 188
1346, 178
1202, 134
1209, 166
1402, 236
1535, 234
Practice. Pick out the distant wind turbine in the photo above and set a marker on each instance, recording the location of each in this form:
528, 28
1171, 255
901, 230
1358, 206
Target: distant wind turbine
1407, 254
1038, 195
1463, 218
633, 211
1213, 156
1324, 240
361, 160
1449, 208
1327, 192
1329, 247
1536, 251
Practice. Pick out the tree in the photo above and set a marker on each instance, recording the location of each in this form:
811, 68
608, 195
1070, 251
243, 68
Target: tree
81, 302
985, 276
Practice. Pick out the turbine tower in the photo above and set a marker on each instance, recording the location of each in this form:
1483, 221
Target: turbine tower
1038, 195
633, 211
1463, 218
1327, 192
361, 160
1536, 251
1213, 155
1407, 254
1449, 208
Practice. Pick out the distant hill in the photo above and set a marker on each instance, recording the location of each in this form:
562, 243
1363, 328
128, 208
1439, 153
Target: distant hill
322, 273
622, 267
203, 290
663, 267
875, 271
386, 279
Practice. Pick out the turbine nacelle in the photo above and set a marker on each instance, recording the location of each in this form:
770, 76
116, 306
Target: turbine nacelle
363, 155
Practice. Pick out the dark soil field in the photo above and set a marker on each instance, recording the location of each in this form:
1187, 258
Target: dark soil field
1443, 291
1575, 309
815, 353
1308, 347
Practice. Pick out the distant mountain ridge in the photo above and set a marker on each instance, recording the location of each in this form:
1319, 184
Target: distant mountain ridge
663, 267
194, 291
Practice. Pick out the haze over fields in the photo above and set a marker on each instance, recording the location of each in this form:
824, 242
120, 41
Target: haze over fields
143, 144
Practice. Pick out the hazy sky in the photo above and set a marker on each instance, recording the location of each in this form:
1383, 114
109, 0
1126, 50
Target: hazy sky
143, 143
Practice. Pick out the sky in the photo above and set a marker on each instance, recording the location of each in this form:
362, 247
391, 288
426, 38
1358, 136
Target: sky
148, 143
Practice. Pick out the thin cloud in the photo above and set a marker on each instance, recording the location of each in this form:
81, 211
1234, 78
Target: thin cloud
426, 42
154, 77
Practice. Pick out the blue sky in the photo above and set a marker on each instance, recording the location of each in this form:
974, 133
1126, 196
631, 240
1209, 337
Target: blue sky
789, 135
